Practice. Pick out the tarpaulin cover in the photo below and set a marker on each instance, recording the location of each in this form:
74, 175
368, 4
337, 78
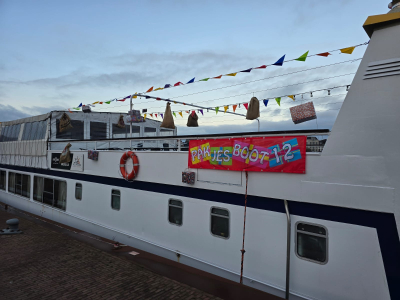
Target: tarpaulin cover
258, 154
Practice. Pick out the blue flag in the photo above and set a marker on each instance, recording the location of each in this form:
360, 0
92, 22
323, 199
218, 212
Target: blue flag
191, 80
167, 86
80, 105
280, 61
265, 102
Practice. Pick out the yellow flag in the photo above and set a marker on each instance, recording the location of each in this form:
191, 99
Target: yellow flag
95, 102
231, 74
135, 96
226, 108
291, 97
160, 88
145, 115
348, 50
175, 102
181, 114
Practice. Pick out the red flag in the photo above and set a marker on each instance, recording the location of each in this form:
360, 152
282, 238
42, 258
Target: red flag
158, 98
178, 83
155, 115
218, 77
234, 107
149, 90
187, 111
246, 105
262, 67
325, 54
151, 115
122, 100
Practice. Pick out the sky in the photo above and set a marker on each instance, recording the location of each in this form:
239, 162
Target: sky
55, 55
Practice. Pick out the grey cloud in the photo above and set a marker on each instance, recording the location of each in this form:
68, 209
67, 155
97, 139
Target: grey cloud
9, 113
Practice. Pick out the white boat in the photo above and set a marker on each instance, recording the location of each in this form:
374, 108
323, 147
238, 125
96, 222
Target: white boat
343, 212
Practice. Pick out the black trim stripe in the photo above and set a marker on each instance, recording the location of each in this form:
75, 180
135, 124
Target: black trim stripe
384, 223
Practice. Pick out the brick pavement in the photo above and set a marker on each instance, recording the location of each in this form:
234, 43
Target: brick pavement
45, 264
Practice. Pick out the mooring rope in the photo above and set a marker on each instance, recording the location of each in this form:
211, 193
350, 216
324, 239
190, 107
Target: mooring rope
244, 230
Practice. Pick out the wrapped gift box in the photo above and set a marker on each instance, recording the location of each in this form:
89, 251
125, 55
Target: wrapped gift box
93, 155
302, 113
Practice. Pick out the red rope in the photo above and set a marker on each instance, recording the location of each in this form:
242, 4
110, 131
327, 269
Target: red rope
244, 230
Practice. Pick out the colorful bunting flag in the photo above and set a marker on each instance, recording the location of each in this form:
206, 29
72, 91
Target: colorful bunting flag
135, 97
145, 115
200, 110
178, 83
325, 54
191, 80
102, 102
216, 110
248, 70
234, 107
162, 116
175, 102
108, 102
226, 108
303, 57
205, 79
218, 77
77, 108
291, 97
167, 86
80, 105
187, 112
70, 111
181, 114
157, 89
280, 61
149, 90
127, 97
95, 102
122, 100
151, 115
155, 115
278, 100
174, 114
348, 50
158, 99
261, 67
231, 74
246, 105
265, 102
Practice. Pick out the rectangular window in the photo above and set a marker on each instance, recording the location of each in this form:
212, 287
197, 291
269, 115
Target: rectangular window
19, 184
175, 212
150, 131
11, 182
74, 133
120, 133
220, 222
311, 242
98, 130
78, 191
50, 192
115, 199
3, 175
166, 132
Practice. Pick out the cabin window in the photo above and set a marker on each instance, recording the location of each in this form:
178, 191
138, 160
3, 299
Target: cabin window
175, 212
34, 131
166, 132
19, 184
73, 133
150, 131
3, 175
51, 192
98, 131
312, 242
78, 191
115, 199
10, 133
220, 222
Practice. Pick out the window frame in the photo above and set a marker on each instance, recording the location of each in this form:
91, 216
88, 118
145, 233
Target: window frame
326, 236
42, 202
81, 191
19, 185
181, 207
112, 190
5, 180
229, 221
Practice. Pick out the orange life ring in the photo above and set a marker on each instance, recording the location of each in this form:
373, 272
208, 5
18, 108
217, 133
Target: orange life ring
122, 162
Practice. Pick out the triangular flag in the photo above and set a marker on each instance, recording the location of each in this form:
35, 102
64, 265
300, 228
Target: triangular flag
162, 116
265, 102
348, 50
145, 115
216, 110
200, 110
80, 105
149, 90
205, 79
178, 83
158, 99
151, 115
167, 86
127, 97
261, 67
246, 105
278, 100
175, 102
234, 107
248, 70
181, 114
135, 96
76, 108
108, 102
226, 108
102, 102
183, 103
218, 77
231, 74
122, 100
157, 89
155, 115
280, 61
303, 57
174, 114
191, 80
95, 102
187, 111
325, 54
70, 111
291, 97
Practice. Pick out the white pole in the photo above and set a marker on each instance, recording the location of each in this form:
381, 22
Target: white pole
130, 104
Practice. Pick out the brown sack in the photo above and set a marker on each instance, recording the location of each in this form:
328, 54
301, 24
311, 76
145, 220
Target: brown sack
192, 120
168, 121
65, 156
65, 123
121, 123
254, 109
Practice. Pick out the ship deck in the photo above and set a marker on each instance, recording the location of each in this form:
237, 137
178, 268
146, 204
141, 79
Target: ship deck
53, 261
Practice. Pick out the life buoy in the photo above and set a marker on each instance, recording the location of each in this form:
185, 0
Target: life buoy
122, 163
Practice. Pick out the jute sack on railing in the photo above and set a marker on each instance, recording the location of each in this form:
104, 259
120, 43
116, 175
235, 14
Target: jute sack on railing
168, 121
192, 120
65, 122
254, 109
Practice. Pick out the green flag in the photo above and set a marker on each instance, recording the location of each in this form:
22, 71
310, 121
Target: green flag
216, 110
108, 102
205, 79
278, 100
174, 114
77, 108
303, 57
